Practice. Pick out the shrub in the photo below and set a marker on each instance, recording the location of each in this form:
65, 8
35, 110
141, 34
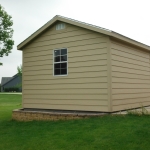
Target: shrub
138, 112
11, 89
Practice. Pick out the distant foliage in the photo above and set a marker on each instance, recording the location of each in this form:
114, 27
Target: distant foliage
19, 69
11, 89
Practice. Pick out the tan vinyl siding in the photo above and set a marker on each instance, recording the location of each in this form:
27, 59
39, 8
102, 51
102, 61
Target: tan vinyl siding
72, 70
71, 59
67, 107
67, 102
86, 85
85, 43
66, 91
130, 77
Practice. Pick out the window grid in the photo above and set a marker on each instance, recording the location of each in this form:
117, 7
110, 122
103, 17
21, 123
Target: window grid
60, 62
60, 26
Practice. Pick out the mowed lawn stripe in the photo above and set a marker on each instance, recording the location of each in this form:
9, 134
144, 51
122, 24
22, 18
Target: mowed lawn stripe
106, 132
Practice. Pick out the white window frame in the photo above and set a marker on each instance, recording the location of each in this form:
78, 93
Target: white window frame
59, 62
60, 26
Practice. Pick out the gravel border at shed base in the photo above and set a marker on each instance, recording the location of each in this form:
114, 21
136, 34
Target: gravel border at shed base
42, 114
38, 114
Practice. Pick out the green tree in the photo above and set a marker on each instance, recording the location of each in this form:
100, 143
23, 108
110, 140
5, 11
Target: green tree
19, 69
6, 33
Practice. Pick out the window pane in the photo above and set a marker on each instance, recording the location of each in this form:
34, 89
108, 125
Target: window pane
60, 62
60, 26
57, 59
63, 51
56, 52
57, 72
64, 58
63, 71
63, 25
57, 66
63, 65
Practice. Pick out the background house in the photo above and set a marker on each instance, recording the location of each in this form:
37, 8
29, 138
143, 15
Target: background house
70, 65
3, 81
9, 82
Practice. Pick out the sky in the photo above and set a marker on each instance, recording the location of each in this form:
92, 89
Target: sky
130, 18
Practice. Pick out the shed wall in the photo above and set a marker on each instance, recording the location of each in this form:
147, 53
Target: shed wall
130, 77
86, 86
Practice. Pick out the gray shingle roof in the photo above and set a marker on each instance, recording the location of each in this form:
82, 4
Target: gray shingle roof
5, 80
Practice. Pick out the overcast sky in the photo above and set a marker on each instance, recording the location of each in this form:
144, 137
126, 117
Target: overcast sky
127, 17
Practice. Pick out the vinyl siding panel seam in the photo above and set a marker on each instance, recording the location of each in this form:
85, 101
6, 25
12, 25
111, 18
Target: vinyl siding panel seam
122, 99
67, 104
68, 42
64, 107
140, 105
130, 78
49, 57
130, 83
70, 94
130, 65
117, 49
79, 99
85, 88
30, 49
129, 58
67, 78
130, 73
131, 68
68, 36
131, 93
42, 52
95, 42
67, 83
70, 62
52, 69
129, 48
69, 72
70, 91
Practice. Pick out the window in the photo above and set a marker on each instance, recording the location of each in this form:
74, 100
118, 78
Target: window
60, 26
60, 62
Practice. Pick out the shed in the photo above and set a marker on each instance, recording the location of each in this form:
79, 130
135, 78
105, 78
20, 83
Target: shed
71, 65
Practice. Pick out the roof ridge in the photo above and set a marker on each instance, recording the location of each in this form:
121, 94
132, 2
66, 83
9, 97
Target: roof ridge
84, 23
11, 78
110, 33
4, 80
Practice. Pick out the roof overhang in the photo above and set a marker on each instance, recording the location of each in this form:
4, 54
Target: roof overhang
110, 33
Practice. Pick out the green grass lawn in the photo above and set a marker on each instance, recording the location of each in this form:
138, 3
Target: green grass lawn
104, 133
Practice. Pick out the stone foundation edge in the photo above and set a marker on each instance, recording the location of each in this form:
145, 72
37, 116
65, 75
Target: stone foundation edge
22, 115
